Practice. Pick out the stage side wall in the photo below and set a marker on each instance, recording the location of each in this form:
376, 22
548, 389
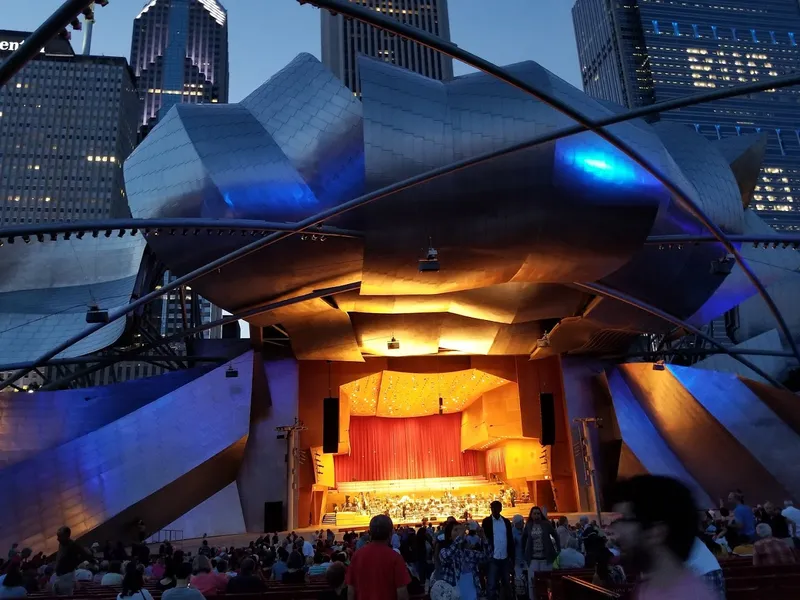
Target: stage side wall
263, 475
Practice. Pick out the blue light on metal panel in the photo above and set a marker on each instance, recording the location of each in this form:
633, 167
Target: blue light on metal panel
753, 33
655, 28
675, 28
791, 37
695, 31
591, 159
714, 31
772, 37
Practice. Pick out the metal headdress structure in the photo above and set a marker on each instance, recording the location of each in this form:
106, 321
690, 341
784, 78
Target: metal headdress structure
646, 166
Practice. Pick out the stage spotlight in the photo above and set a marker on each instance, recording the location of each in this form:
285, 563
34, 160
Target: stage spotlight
231, 372
121, 233
26, 239
723, 266
53, 236
95, 315
659, 365
431, 261
101, 2
11, 239
109, 232
393, 344
40, 237
76, 24
80, 235
95, 233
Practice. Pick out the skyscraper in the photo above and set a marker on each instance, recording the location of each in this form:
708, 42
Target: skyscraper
179, 52
639, 52
67, 123
343, 40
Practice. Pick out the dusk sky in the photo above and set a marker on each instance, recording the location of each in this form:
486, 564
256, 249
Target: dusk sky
266, 34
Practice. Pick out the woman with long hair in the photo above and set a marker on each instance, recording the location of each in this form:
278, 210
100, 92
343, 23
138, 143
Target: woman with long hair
133, 584
541, 545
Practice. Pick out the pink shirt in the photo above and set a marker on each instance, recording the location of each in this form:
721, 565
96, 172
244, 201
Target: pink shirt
688, 587
209, 584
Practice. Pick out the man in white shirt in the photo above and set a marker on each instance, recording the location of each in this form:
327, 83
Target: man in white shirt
792, 515
501, 549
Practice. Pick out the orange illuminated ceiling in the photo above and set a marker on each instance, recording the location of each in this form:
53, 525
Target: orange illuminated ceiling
395, 394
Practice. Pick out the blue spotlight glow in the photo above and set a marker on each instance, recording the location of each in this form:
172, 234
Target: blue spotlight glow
591, 159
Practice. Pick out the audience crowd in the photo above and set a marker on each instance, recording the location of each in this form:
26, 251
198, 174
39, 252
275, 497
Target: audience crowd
656, 541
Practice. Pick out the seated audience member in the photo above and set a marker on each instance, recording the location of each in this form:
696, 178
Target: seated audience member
569, 557
182, 591
247, 581
168, 579
606, 574
335, 577
769, 550
656, 533
13, 585
158, 569
377, 572
704, 564
101, 572
133, 584
208, 583
83, 572
294, 571
319, 567
114, 576
280, 567
778, 523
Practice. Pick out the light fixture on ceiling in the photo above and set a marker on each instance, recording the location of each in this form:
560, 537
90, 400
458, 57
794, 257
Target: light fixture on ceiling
393, 344
723, 266
659, 365
231, 372
431, 261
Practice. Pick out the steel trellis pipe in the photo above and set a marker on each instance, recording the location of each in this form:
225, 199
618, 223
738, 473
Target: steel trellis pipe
39, 38
374, 18
608, 292
251, 312
179, 224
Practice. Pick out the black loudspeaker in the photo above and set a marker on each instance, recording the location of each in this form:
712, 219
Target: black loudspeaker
273, 517
330, 425
548, 405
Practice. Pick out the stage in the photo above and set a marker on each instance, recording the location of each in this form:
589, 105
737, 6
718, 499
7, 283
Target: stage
240, 540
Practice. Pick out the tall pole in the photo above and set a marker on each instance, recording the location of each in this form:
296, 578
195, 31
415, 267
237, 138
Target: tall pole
291, 432
87, 33
589, 463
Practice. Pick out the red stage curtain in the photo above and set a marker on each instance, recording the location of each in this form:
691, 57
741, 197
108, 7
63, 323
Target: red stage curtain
410, 448
496, 460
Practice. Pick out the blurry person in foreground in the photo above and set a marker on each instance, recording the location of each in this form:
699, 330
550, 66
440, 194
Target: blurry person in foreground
655, 536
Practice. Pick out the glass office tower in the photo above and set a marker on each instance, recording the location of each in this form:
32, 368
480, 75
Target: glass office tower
179, 52
637, 52
343, 40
